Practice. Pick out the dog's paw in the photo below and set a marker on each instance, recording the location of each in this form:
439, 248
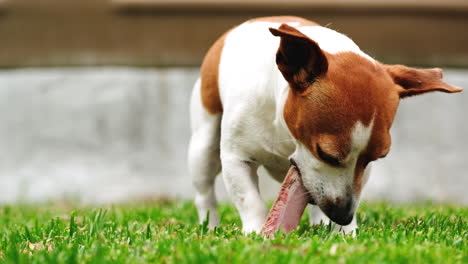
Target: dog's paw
317, 217
346, 230
252, 227
249, 230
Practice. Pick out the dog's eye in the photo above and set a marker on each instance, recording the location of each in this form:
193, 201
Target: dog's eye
327, 157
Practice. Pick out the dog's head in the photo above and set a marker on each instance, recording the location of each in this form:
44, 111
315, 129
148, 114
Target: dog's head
340, 108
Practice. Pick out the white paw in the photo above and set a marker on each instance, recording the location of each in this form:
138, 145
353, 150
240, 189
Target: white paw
206, 205
317, 217
347, 230
212, 222
252, 227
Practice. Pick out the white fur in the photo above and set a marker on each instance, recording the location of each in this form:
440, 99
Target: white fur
360, 136
332, 41
253, 130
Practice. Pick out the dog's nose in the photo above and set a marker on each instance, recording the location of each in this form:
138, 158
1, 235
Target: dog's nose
340, 211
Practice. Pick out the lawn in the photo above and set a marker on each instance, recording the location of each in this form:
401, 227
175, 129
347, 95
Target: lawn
167, 232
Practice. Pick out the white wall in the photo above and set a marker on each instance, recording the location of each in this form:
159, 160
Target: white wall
111, 134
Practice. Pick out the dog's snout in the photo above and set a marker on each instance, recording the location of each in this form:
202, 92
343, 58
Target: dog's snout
339, 210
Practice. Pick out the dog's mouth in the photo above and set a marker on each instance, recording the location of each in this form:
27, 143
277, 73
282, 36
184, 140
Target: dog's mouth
293, 163
290, 204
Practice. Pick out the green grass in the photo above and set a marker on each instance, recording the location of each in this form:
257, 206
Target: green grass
167, 232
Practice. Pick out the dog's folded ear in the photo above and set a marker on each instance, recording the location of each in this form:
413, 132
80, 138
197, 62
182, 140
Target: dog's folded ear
299, 58
413, 81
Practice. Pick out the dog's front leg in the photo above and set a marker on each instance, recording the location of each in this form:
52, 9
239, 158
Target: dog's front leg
241, 180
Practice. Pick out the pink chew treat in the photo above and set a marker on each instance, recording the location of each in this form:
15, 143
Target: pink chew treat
288, 208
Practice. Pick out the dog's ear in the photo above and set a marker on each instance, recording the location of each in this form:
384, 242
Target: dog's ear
413, 81
299, 58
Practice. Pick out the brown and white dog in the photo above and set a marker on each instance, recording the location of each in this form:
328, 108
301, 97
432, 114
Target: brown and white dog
280, 90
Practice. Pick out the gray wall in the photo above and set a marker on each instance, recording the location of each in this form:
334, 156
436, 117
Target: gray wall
112, 134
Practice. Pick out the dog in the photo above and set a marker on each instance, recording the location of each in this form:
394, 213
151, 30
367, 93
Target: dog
282, 91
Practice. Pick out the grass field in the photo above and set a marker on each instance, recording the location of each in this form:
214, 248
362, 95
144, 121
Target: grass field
167, 232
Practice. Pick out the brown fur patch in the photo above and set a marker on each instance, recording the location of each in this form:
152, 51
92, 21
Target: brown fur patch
209, 77
419, 81
353, 89
330, 93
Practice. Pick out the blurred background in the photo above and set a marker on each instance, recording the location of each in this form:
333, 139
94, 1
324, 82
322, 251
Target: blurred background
94, 94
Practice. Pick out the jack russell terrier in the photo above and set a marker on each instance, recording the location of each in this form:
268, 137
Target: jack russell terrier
282, 91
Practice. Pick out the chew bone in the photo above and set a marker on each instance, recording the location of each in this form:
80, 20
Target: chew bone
288, 208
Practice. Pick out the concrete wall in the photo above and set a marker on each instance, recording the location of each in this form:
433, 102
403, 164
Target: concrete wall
112, 134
